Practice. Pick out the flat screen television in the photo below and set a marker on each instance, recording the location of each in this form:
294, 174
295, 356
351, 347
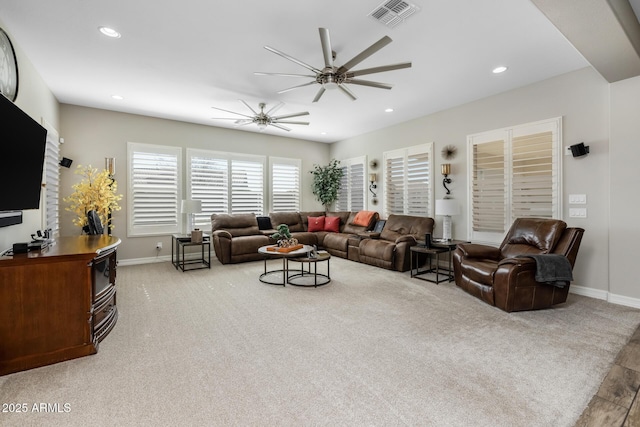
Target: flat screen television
22, 150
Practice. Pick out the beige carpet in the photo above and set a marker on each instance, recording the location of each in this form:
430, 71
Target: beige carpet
217, 347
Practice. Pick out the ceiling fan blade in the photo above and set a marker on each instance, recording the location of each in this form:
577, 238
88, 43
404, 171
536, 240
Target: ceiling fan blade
327, 52
296, 87
232, 112
319, 94
369, 83
290, 123
292, 59
347, 92
380, 69
244, 122
280, 127
258, 73
225, 118
365, 54
249, 107
274, 108
287, 116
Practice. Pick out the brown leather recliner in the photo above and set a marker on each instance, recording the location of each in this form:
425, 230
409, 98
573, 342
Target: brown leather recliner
501, 278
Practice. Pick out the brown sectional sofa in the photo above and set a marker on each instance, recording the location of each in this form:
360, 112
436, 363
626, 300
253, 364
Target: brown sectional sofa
236, 238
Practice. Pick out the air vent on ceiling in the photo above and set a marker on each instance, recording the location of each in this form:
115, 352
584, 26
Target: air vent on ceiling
393, 12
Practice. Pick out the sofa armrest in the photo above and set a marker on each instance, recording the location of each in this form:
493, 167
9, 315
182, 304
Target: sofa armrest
222, 234
474, 250
408, 238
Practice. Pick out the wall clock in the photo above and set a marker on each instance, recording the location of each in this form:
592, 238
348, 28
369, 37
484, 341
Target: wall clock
8, 68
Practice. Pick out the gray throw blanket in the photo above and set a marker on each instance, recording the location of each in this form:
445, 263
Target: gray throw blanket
552, 269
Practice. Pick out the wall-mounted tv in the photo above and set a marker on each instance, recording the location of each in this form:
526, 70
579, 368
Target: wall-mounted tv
22, 150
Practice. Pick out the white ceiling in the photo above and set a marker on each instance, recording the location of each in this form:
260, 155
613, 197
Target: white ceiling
176, 60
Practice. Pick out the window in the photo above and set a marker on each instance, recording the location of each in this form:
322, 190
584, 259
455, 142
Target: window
154, 189
514, 173
353, 187
226, 183
51, 179
285, 184
408, 188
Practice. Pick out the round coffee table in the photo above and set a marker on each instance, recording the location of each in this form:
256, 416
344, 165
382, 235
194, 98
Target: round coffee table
267, 276
298, 278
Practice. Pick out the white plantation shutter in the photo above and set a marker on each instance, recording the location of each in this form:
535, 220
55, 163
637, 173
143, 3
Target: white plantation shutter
285, 184
154, 189
208, 181
342, 203
247, 186
408, 188
418, 184
515, 173
489, 188
52, 182
533, 176
226, 183
353, 186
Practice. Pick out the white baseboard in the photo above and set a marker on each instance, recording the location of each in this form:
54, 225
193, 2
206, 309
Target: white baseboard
605, 295
589, 292
155, 259
149, 260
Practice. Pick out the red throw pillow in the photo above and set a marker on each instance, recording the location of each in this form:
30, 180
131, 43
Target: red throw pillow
332, 223
363, 218
316, 223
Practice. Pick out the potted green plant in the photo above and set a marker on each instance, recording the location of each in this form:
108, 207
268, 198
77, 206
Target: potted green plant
283, 236
326, 182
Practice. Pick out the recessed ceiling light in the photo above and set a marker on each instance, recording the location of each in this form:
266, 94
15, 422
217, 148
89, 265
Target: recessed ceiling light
389, 110
109, 32
500, 69
118, 97
323, 133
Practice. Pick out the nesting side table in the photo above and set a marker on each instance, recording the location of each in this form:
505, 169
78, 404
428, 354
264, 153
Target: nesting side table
179, 242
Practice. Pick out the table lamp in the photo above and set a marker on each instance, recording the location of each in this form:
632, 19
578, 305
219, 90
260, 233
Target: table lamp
191, 207
446, 208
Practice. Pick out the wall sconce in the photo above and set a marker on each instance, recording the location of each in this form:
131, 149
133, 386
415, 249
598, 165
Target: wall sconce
110, 165
372, 179
445, 168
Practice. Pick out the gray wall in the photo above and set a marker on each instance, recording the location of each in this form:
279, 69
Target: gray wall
34, 98
92, 134
624, 227
580, 97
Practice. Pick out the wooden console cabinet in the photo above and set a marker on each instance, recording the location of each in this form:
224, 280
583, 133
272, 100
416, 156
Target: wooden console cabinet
57, 304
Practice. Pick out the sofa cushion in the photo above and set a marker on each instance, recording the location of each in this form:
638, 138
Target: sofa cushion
336, 241
332, 223
402, 225
292, 219
363, 218
264, 223
344, 218
304, 216
315, 223
236, 225
532, 236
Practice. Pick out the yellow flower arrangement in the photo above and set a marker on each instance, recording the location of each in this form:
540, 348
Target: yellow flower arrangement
96, 191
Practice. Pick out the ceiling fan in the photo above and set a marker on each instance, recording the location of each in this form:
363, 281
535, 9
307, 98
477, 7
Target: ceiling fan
332, 76
263, 119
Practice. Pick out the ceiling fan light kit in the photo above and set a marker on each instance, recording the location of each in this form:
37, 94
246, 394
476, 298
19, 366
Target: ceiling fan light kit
331, 76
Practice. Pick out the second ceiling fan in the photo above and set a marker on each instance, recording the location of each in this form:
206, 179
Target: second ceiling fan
332, 76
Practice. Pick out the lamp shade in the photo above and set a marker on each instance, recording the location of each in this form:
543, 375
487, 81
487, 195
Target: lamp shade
447, 207
191, 206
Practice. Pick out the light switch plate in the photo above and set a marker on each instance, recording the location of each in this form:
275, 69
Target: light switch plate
577, 199
577, 212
